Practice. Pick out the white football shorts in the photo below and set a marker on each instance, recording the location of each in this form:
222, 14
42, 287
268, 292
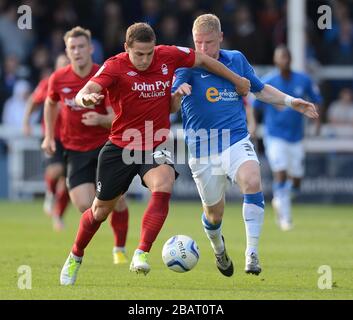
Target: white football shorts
285, 156
211, 173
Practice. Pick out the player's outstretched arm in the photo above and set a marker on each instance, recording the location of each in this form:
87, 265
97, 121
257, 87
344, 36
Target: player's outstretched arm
183, 89
212, 65
89, 95
276, 97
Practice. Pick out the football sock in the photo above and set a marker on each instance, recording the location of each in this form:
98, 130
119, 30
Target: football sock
61, 202
119, 221
50, 183
214, 234
153, 219
282, 194
87, 228
253, 215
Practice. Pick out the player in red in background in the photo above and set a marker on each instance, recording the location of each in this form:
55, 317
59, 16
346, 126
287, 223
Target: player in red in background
56, 195
83, 132
139, 86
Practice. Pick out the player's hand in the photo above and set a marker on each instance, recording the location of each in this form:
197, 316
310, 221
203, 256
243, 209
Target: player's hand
183, 90
48, 146
305, 107
91, 118
243, 86
91, 99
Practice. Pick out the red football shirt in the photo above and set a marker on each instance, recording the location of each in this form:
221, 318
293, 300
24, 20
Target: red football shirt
38, 97
141, 99
64, 84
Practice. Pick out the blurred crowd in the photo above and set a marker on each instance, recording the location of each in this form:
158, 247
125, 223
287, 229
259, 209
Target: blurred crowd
254, 27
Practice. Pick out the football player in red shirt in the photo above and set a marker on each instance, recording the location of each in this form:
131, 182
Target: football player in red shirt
139, 83
56, 195
83, 131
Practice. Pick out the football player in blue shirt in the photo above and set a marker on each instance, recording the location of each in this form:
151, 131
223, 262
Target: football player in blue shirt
284, 133
214, 123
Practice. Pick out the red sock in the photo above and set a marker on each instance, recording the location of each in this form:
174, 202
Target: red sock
119, 221
86, 230
153, 219
62, 200
50, 183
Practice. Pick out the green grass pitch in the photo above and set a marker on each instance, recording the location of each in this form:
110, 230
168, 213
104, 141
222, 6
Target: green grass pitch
323, 235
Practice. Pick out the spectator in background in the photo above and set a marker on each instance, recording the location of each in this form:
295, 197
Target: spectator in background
40, 61
13, 40
14, 108
151, 12
55, 41
113, 29
8, 77
65, 15
247, 38
340, 112
341, 50
169, 31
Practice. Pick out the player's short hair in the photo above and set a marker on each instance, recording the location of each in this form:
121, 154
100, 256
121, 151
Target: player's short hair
140, 32
283, 47
207, 23
77, 32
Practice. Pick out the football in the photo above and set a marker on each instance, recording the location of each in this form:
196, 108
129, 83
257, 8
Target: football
180, 253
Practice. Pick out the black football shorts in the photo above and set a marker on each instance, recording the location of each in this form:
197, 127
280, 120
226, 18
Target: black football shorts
118, 166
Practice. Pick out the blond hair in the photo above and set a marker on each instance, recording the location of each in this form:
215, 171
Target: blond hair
207, 23
77, 32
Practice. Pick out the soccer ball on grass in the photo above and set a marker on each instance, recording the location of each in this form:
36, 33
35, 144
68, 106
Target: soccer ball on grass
180, 253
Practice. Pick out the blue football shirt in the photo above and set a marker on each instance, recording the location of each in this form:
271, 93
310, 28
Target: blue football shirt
214, 115
287, 124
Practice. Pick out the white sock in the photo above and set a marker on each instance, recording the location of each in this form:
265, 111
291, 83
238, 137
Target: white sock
77, 258
253, 216
284, 204
214, 234
118, 249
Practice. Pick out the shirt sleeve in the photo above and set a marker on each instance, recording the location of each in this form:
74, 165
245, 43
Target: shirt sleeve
181, 75
184, 57
249, 73
107, 75
53, 93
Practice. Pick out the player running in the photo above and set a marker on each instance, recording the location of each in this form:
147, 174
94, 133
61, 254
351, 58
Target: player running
56, 196
139, 86
84, 131
284, 133
214, 122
